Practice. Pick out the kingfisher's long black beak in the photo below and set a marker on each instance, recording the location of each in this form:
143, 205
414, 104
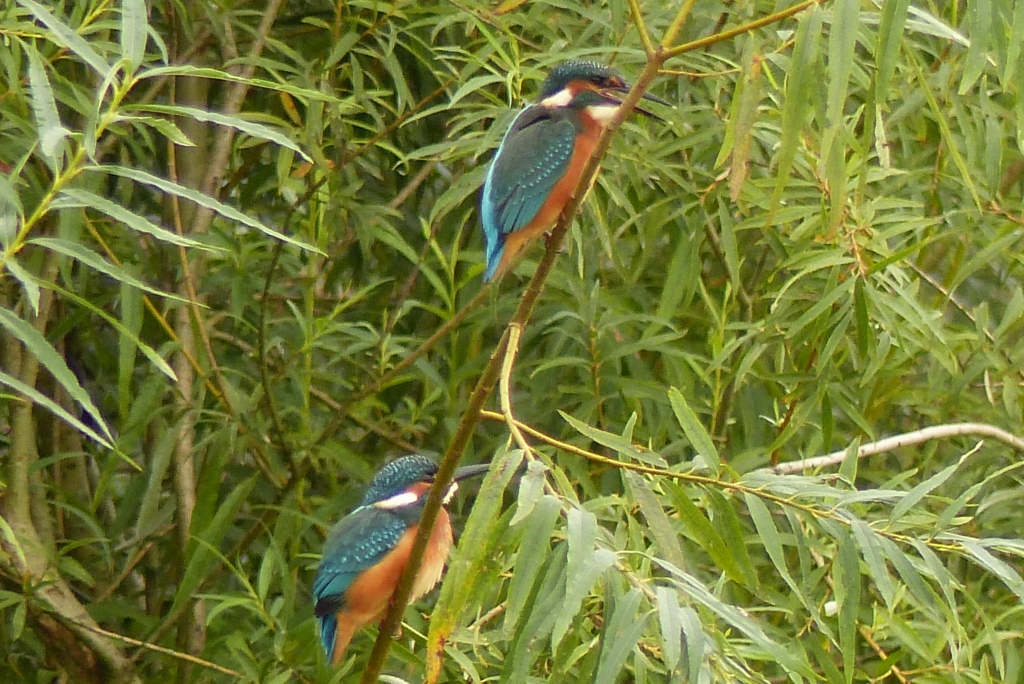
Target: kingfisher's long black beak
638, 109
471, 471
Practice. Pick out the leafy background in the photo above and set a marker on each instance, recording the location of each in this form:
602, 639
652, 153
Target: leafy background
242, 268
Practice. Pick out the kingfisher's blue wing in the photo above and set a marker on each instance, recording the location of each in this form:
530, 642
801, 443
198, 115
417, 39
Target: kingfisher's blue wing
532, 158
358, 542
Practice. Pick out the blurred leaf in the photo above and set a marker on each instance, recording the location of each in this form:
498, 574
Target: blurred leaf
97, 262
52, 133
531, 556
75, 198
208, 538
38, 346
256, 130
585, 565
65, 36
200, 199
980, 13
41, 399
620, 637
661, 528
134, 27
846, 582
531, 488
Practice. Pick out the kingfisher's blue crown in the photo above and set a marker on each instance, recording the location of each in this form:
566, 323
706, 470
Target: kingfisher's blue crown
397, 476
596, 73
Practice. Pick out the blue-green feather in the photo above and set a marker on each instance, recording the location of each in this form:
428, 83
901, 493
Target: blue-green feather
358, 542
533, 156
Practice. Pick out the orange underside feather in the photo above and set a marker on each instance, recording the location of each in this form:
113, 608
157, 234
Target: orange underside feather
368, 597
560, 196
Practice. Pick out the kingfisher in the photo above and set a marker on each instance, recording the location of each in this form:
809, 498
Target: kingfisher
368, 549
540, 160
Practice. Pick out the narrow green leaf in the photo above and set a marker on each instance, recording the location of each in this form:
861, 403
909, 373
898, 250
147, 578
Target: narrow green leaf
704, 533
911, 578
671, 622
623, 631
727, 523
860, 307
201, 553
681, 277
157, 466
55, 408
769, 535
27, 281
543, 604
661, 528
531, 488
692, 428
842, 43
797, 105
127, 346
696, 642
94, 260
158, 362
347, 41
1014, 42
134, 28
744, 116
851, 462
730, 245
914, 496
164, 127
530, 557
65, 36
268, 569
256, 130
739, 619
75, 198
38, 346
823, 304
890, 33
943, 578
11, 212
947, 134
202, 200
12, 541
584, 566
52, 133
846, 582
342, 107
998, 567
874, 558
608, 439
980, 14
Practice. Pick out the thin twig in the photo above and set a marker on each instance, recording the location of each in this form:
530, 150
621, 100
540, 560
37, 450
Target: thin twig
159, 649
514, 333
906, 439
745, 28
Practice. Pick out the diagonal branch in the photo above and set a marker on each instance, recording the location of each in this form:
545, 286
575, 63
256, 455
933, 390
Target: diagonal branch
484, 386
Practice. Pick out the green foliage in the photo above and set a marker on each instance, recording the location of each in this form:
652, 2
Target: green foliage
222, 238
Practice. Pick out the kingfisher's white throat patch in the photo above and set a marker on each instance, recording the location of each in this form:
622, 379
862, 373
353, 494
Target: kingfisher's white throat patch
602, 114
398, 501
560, 99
